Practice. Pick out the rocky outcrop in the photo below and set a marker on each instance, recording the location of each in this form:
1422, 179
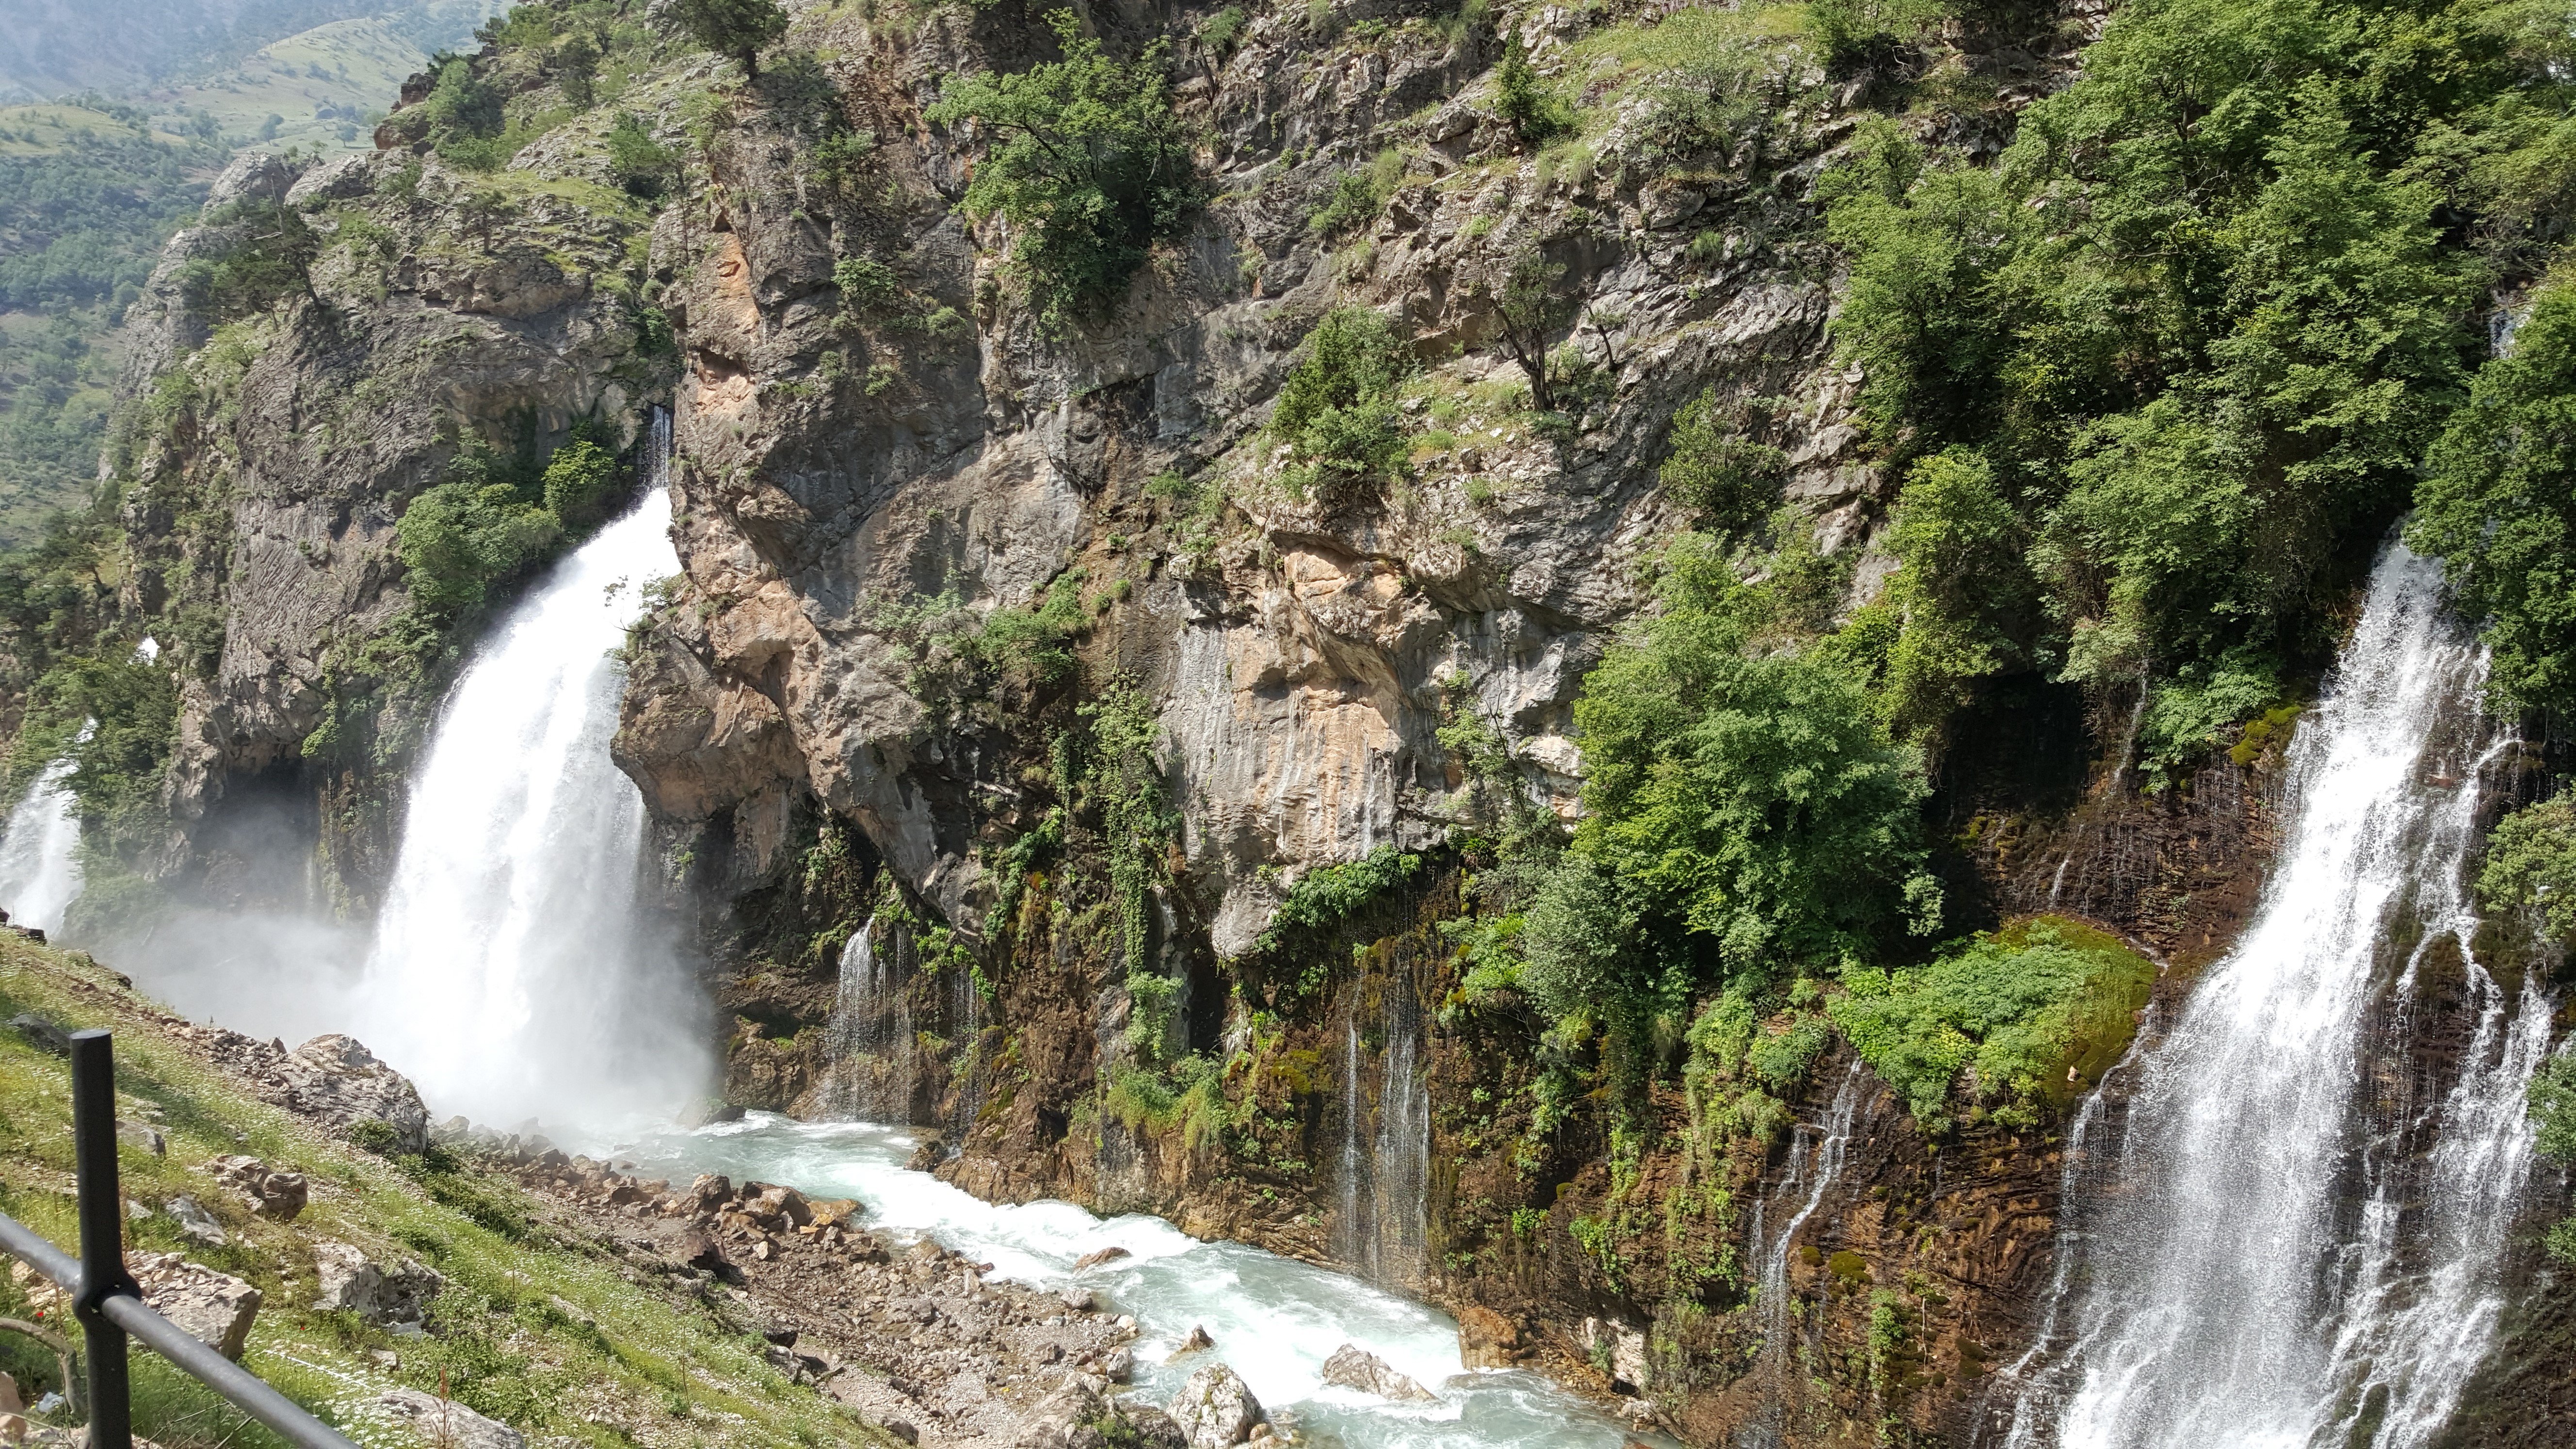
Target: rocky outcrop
216, 1309
444, 1421
395, 1296
1215, 1409
1353, 1367
335, 1079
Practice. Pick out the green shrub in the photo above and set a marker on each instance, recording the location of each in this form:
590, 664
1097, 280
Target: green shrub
1337, 410
642, 166
2021, 1009
1960, 593
576, 481
1524, 100
2553, 1112
1088, 162
267, 248
1728, 479
1358, 196
1328, 895
1222, 31
2531, 862
738, 28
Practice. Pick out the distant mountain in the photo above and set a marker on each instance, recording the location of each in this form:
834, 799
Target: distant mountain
49, 48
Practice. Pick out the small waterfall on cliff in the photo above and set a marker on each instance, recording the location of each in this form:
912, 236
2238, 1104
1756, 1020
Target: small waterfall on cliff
515, 969
2274, 1257
871, 1034
40, 870
1811, 1175
1383, 1226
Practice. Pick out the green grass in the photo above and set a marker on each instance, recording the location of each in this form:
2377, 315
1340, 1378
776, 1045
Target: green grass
657, 1368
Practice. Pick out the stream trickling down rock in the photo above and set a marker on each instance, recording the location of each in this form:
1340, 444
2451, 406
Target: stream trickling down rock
2267, 1252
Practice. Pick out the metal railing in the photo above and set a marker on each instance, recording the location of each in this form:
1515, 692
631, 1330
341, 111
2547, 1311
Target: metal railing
104, 1295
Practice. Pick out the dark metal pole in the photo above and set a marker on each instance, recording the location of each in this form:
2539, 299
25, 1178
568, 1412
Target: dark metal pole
102, 1238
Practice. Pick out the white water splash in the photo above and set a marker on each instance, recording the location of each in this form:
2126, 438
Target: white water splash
1274, 1319
2230, 1298
514, 971
40, 873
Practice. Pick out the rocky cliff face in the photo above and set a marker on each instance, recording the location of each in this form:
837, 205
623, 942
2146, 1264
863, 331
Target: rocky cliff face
412, 310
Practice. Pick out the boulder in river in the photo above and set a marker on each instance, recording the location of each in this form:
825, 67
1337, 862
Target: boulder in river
1216, 1409
1487, 1339
1098, 1256
1353, 1367
1197, 1341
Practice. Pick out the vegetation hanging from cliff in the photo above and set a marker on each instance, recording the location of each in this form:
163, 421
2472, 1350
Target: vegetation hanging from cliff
1089, 165
2201, 320
1337, 410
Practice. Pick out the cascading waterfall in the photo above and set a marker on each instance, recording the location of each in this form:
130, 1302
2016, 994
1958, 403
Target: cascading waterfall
515, 968
1384, 1225
1811, 1175
2273, 1259
40, 872
871, 1033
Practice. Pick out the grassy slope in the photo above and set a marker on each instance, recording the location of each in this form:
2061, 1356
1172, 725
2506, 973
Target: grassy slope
541, 1325
349, 68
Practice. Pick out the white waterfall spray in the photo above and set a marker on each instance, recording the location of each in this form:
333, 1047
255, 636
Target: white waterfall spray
40, 872
515, 971
2229, 1295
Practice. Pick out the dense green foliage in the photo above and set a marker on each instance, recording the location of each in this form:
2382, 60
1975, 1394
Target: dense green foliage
1730, 480
2531, 864
2019, 1010
266, 248
1524, 101
493, 515
1337, 410
2498, 501
2553, 1111
2200, 321
1088, 163
1328, 895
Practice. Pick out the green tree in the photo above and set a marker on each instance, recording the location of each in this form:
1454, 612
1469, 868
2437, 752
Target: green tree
2498, 503
576, 480
1088, 162
1337, 410
1524, 101
1532, 303
643, 166
1959, 593
738, 28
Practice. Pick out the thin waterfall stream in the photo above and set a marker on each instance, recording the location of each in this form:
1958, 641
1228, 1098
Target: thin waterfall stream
40, 873
2270, 1258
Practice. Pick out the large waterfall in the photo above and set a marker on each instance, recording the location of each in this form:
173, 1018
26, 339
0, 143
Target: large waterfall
2280, 1243
516, 971
39, 856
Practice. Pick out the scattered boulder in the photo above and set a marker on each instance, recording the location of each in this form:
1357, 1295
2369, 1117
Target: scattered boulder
1487, 1339
1080, 1300
1215, 1409
279, 1195
445, 1422
349, 1281
1098, 1256
213, 1308
195, 1223
1196, 1342
1076, 1416
336, 1079
1353, 1367
40, 1033
1118, 1365
143, 1135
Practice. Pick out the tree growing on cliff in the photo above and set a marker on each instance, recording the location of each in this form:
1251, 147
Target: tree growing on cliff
1088, 164
1532, 303
738, 28
1337, 411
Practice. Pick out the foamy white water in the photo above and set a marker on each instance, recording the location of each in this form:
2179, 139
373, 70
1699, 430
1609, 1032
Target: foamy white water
515, 972
2235, 1296
40, 873
1274, 1319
